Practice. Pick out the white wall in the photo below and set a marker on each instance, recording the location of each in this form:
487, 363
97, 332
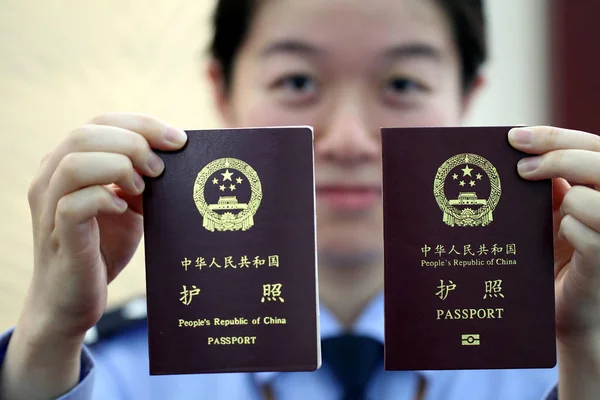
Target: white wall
64, 61
517, 74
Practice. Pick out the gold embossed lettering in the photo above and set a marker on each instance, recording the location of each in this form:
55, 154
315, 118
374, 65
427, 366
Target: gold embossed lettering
482, 250
511, 248
503, 261
453, 250
244, 263
439, 250
425, 250
232, 340
469, 313
444, 289
272, 292
274, 321
493, 289
200, 263
467, 250
258, 262
188, 295
496, 249
186, 263
229, 263
274, 261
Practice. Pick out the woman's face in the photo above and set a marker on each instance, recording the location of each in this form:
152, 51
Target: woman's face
347, 68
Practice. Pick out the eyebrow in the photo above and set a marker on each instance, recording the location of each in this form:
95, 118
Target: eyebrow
413, 50
394, 53
291, 47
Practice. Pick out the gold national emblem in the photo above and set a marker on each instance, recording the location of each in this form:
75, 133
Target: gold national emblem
223, 180
464, 186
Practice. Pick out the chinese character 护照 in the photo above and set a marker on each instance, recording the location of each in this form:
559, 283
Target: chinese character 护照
187, 295
272, 292
493, 289
443, 291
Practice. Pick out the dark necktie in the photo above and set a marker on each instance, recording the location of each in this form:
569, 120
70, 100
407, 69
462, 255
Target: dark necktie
353, 359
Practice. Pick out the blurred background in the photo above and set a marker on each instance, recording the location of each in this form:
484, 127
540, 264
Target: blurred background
64, 61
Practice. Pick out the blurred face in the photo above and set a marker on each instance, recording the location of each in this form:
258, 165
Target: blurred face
347, 68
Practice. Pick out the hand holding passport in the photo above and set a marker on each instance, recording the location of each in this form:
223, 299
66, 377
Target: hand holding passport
231, 253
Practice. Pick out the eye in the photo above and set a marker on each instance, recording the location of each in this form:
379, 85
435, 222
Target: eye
296, 89
400, 91
298, 83
404, 85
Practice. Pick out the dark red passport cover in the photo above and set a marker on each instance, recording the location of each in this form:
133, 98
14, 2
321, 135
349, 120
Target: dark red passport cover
469, 279
231, 254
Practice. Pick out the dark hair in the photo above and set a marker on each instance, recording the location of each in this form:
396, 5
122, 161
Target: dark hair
232, 20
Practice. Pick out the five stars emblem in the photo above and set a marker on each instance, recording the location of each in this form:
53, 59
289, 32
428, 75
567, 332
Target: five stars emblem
227, 175
467, 170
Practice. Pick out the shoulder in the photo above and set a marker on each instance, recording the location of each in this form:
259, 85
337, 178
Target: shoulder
119, 347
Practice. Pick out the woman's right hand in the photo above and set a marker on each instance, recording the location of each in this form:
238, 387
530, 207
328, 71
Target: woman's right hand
86, 209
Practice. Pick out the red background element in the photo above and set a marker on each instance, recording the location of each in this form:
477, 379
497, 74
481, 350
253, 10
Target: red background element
574, 32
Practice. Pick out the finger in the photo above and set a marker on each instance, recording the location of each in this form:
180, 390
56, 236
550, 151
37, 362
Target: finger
159, 134
543, 139
586, 242
560, 187
583, 203
105, 139
579, 166
80, 170
135, 202
108, 139
74, 211
100, 134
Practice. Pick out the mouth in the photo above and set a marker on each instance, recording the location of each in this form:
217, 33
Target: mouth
349, 198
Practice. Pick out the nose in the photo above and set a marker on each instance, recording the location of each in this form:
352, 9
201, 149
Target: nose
347, 136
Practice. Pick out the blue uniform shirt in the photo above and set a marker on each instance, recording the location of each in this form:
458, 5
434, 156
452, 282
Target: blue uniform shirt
117, 369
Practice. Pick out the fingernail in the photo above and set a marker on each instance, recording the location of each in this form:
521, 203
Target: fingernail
155, 163
122, 204
139, 182
521, 136
176, 136
529, 164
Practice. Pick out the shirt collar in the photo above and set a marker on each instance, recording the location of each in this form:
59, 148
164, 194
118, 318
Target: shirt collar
370, 323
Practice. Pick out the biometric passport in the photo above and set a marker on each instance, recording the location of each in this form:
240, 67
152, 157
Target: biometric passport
469, 279
231, 254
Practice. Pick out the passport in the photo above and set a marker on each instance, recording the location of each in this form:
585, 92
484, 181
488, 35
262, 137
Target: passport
230, 249
469, 275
